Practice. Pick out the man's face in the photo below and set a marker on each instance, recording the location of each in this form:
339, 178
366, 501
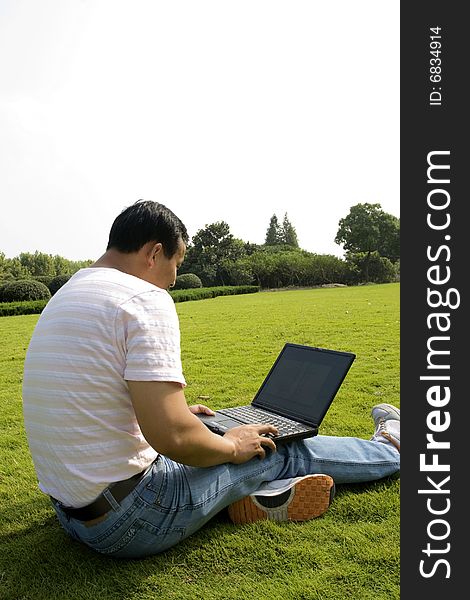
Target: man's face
165, 269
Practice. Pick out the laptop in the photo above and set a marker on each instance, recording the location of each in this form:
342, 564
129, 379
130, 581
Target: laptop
294, 397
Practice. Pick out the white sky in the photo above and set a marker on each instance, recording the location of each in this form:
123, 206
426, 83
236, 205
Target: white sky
220, 109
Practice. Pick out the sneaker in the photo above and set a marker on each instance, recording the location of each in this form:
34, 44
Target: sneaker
385, 412
387, 424
296, 499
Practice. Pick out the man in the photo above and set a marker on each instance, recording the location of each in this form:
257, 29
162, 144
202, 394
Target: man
129, 468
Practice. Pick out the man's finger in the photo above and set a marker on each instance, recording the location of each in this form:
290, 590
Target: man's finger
265, 441
201, 408
263, 429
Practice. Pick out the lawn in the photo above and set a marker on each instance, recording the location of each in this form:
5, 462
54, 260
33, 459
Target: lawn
228, 345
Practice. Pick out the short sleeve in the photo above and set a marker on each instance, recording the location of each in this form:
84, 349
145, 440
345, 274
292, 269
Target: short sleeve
150, 337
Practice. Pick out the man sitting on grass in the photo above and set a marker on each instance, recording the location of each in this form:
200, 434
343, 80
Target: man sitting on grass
130, 469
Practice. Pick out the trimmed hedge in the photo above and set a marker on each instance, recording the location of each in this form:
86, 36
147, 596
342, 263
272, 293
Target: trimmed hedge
187, 281
33, 307
22, 290
27, 308
58, 282
212, 292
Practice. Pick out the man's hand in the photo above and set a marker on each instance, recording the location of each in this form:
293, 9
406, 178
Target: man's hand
200, 408
172, 428
249, 441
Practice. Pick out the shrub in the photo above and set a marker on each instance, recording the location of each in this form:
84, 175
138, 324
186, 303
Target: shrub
297, 268
30, 307
187, 281
371, 267
45, 279
24, 289
237, 272
212, 292
396, 268
57, 283
36, 307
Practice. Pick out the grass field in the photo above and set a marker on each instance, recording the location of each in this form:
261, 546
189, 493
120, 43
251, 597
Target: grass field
228, 345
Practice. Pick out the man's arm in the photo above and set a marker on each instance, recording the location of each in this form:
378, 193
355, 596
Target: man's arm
173, 430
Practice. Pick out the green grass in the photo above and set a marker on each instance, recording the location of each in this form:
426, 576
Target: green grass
228, 345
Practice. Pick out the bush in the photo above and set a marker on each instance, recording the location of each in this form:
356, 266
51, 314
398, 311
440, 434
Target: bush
297, 268
31, 307
24, 289
396, 268
45, 279
212, 292
237, 272
57, 283
36, 307
187, 281
371, 267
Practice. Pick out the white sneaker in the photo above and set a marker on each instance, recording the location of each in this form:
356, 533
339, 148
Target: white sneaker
296, 499
385, 412
387, 424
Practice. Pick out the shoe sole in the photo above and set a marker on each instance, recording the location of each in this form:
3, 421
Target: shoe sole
307, 499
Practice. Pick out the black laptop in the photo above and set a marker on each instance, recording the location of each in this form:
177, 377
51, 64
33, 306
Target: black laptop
295, 395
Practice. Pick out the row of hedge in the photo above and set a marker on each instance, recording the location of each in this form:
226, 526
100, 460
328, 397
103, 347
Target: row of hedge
34, 289
212, 292
8, 309
30, 307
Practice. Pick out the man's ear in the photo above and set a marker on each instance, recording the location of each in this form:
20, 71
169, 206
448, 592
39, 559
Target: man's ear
153, 251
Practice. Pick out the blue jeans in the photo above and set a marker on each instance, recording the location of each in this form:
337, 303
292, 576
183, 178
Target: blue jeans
172, 501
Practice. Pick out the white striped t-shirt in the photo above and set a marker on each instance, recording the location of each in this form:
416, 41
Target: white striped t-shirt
101, 328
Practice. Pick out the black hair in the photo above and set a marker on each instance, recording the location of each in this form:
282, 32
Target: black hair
147, 221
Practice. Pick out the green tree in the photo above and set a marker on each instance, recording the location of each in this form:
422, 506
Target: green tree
366, 229
209, 249
237, 272
288, 233
379, 268
61, 265
389, 239
273, 234
281, 235
38, 263
2, 266
13, 269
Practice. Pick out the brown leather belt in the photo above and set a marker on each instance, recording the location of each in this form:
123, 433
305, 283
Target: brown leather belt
99, 507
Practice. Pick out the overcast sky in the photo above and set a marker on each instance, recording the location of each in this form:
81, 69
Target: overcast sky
229, 110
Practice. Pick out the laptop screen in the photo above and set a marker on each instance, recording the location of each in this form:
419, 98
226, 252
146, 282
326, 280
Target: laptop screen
303, 382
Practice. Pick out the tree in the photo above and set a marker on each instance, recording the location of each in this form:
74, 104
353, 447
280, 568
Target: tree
289, 235
2, 266
38, 263
209, 249
273, 234
13, 269
281, 235
389, 239
366, 229
61, 265
380, 269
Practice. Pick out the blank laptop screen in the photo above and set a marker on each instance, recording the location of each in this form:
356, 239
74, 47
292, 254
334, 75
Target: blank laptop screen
304, 381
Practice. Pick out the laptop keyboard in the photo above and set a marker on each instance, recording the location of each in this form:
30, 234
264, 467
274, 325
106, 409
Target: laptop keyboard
250, 414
